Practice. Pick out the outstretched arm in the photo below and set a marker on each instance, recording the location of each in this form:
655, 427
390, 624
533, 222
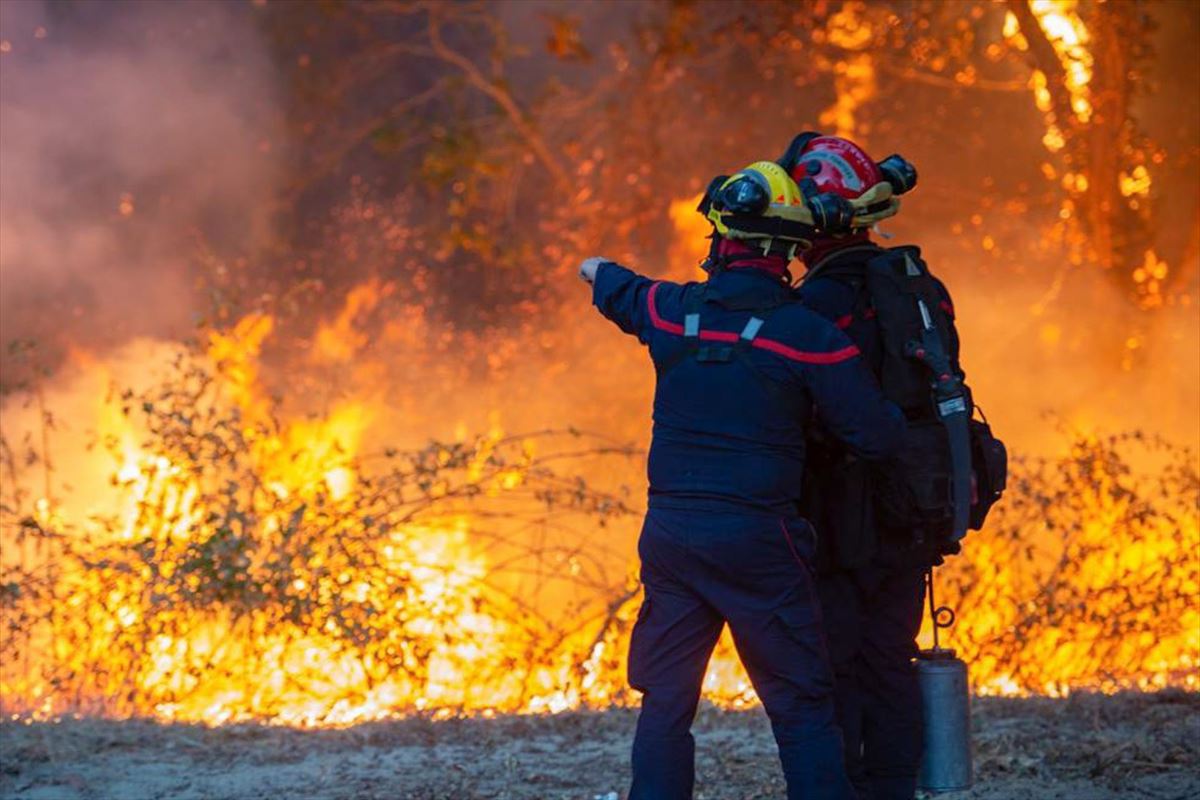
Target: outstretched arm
619, 294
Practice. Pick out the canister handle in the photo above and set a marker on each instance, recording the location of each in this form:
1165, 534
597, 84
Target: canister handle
940, 616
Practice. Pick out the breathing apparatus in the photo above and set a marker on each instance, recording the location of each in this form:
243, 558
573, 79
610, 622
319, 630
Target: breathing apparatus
822, 186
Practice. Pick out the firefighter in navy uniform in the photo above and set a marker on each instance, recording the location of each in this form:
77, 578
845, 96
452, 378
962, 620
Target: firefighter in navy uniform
742, 368
875, 548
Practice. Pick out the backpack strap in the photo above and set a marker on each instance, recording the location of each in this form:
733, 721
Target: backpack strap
920, 371
750, 332
693, 299
745, 344
721, 352
699, 336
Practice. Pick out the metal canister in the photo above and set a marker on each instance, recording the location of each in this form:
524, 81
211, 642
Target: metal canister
946, 763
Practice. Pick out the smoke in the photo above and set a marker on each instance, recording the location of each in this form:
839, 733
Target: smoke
1044, 361
133, 136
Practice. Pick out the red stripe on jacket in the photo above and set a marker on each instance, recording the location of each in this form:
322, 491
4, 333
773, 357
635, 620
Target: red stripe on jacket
763, 343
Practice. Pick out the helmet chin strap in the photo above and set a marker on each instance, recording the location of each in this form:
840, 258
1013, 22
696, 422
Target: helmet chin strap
711, 263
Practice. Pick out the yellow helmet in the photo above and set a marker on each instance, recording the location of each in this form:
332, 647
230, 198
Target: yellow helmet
761, 204
742, 202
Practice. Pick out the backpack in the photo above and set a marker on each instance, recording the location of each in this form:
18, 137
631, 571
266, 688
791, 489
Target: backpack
918, 370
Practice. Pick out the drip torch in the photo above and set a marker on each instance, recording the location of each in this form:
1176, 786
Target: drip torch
946, 763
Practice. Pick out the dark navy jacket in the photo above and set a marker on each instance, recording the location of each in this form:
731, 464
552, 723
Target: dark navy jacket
730, 434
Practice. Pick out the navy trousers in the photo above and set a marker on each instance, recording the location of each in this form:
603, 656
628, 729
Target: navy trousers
701, 570
872, 617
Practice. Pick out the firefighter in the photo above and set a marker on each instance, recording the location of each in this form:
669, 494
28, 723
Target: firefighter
742, 368
875, 547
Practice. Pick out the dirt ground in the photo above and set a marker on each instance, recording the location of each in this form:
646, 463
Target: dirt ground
1084, 748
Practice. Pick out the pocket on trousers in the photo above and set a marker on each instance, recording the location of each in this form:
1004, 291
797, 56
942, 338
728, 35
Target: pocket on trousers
635, 667
805, 657
800, 613
801, 539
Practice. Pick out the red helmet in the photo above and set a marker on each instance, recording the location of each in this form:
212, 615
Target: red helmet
843, 187
836, 165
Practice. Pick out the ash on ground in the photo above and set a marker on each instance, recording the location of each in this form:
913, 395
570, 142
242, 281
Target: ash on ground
1087, 747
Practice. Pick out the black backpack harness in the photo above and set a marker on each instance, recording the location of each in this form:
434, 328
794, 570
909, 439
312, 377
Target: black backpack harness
927, 487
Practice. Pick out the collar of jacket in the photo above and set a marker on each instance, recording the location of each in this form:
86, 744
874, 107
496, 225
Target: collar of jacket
740, 255
747, 289
865, 248
825, 246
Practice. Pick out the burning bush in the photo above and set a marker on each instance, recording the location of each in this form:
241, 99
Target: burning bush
1089, 574
257, 569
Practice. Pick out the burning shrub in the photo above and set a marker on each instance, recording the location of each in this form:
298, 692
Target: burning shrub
1089, 574
262, 567
257, 572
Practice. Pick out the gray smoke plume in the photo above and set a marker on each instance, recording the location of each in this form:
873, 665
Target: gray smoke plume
132, 136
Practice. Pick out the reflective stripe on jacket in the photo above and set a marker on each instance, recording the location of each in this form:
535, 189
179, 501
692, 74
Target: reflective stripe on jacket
729, 427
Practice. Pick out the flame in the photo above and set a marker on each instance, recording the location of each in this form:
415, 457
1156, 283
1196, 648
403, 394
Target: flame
854, 78
430, 605
691, 232
1066, 31
1068, 34
338, 340
1136, 182
1138, 569
854, 82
